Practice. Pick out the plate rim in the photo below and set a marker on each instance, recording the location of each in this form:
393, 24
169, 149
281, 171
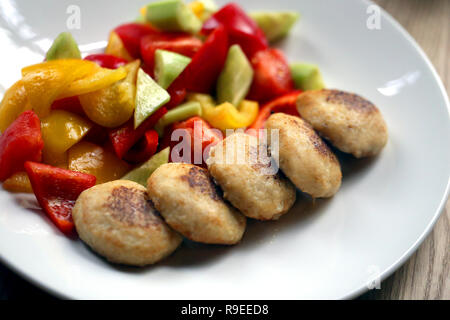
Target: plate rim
385, 273
415, 246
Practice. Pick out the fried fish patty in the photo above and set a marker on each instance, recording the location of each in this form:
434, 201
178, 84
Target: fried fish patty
304, 157
190, 203
249, 178
118, 221
351, 123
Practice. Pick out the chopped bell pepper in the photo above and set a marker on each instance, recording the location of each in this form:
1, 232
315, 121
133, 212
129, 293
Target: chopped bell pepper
203, 9
178, 42
18, 182
131, 35
71, 104
57, 190
272, 76
226, 116
100, 79
45, 82
144, 149
201, 74
198, 8
97, 134
106, 60
20, 142
59, 160
202, 138
92, 159
143, 172
205, 100
286, 104
124, 137
116, 48
14, 102
177, 96
113, 106
60, 131
241, 29
51, 80
143, 12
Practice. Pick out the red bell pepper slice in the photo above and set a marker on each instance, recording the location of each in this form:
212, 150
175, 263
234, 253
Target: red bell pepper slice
148, 69
144, 149
241, 29
201, 74
131, 35
177, 96
124, 137
71, 104
181, 43
272, 76
202, 137
106, 60
57, 190
21, 141
286, 104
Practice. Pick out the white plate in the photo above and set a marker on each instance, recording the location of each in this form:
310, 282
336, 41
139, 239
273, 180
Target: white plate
384, 210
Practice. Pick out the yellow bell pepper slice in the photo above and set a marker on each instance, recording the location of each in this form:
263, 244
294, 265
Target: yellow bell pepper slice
143, 11
45, 82
205, 99
198, 8
59, 160
89, 158
60, 131
226, 115
14, 102
116, 48
114, 105
18, 182
100, 79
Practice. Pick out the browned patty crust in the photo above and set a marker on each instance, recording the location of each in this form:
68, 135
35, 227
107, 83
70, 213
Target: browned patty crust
191, 203
304, 157
351, 123
118, 220
250, 183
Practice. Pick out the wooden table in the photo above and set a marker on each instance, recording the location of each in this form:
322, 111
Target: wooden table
426, 274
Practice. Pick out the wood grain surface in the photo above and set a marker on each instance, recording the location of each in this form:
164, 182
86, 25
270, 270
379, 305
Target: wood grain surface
426, 274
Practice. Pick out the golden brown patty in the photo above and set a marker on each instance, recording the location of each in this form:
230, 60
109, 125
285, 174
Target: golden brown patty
351, 123
249, 179
304, 157
190, 203
117, 220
